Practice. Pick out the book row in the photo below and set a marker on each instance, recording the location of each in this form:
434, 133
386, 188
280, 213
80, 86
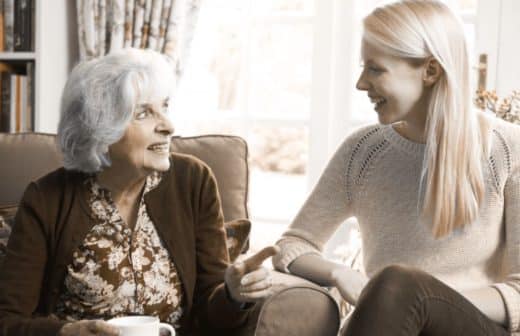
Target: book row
17, 97
17, 24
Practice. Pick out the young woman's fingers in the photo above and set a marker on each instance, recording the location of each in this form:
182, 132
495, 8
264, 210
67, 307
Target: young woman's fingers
257, 286
258, 295
255, 276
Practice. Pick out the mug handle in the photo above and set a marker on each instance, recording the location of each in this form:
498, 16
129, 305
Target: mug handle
167, 326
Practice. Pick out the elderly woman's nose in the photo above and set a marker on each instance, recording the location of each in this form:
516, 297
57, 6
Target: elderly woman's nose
165, 126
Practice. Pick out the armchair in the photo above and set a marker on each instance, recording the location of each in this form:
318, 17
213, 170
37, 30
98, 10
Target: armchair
300, 308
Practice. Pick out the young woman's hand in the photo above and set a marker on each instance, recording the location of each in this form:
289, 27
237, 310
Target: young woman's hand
349, 283
247, 280
89, 328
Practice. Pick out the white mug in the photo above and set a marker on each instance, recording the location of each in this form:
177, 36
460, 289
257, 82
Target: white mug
140, 325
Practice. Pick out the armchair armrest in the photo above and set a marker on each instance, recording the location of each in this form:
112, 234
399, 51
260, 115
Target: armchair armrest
299, 308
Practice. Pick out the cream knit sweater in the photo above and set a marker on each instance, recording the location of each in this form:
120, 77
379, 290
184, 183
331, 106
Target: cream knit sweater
375, 176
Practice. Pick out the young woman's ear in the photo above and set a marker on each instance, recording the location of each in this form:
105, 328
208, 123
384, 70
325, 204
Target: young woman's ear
432, 71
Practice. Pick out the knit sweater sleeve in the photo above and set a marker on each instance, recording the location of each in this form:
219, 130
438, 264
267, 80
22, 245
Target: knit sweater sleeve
329, 204
510, 288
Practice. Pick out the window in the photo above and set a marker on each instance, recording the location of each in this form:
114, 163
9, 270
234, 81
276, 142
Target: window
249, 74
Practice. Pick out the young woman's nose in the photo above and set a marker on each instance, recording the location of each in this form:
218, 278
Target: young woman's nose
362, 84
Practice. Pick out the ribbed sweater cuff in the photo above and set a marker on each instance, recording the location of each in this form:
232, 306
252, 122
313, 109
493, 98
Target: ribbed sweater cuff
512, 302
290, 249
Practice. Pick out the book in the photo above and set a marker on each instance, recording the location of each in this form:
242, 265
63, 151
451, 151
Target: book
22, 25
30, 96
1, 26
18, 25
8, 25
5, 88
22, 95
5, 97
32, 25
12, 103
16, 113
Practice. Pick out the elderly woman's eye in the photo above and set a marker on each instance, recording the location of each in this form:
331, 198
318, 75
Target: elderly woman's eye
142, 114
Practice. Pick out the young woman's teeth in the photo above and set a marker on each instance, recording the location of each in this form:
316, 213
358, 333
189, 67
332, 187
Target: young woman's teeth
378, 101
164, 148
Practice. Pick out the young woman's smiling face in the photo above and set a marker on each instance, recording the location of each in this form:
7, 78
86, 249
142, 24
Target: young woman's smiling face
394, 85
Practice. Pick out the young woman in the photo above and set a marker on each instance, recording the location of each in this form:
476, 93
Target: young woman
435, 188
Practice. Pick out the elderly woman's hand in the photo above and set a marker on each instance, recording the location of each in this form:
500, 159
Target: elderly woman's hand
89, 328
247, 280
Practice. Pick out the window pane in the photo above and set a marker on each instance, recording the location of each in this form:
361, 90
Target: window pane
227, 4
210, 87
468, 5
283, 6
279, 149
280, 71
278, 161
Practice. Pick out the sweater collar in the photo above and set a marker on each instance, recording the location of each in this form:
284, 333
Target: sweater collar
405, 145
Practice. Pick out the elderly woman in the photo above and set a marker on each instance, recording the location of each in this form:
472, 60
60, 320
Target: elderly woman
124, 227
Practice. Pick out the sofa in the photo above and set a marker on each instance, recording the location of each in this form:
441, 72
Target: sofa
298, 308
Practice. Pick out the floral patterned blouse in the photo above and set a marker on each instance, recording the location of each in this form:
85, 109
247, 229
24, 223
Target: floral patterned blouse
117, 271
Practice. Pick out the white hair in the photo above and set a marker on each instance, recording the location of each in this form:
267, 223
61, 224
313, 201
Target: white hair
98, 101
456, 139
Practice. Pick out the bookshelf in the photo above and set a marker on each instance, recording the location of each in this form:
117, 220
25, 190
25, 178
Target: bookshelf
53, 55
17, 69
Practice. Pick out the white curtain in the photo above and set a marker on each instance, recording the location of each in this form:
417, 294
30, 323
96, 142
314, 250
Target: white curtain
163, 25
336, 53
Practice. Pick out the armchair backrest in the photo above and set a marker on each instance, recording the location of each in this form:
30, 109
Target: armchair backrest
25, 157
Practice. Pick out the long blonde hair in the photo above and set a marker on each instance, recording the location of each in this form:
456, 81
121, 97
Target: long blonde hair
456, 138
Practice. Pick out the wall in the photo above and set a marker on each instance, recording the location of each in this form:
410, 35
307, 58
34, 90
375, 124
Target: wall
508, 63
56, 54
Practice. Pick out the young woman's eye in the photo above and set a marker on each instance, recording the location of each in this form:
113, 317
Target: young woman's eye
374, 70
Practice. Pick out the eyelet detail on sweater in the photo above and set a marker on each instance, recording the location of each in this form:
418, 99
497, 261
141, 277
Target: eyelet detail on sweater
497, 163
352, 159
507, 151
494, 172
372, 153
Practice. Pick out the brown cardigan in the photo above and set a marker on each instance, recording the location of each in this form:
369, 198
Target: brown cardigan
54, 218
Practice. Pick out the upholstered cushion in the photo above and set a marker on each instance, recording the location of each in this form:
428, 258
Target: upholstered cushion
6, 223
27, 156
237, 237
227, 157
297, 307
299, 311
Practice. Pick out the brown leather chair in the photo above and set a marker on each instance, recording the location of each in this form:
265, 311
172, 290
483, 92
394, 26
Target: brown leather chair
300, 308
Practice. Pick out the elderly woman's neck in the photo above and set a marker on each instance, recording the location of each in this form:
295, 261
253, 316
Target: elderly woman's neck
122, 183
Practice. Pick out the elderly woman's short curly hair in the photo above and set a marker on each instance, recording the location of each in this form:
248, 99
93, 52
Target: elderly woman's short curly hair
98, 103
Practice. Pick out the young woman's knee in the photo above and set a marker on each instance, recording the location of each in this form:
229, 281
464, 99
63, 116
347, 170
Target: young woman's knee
393, 284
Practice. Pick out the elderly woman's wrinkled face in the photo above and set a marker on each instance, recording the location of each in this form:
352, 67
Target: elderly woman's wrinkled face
145, 146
